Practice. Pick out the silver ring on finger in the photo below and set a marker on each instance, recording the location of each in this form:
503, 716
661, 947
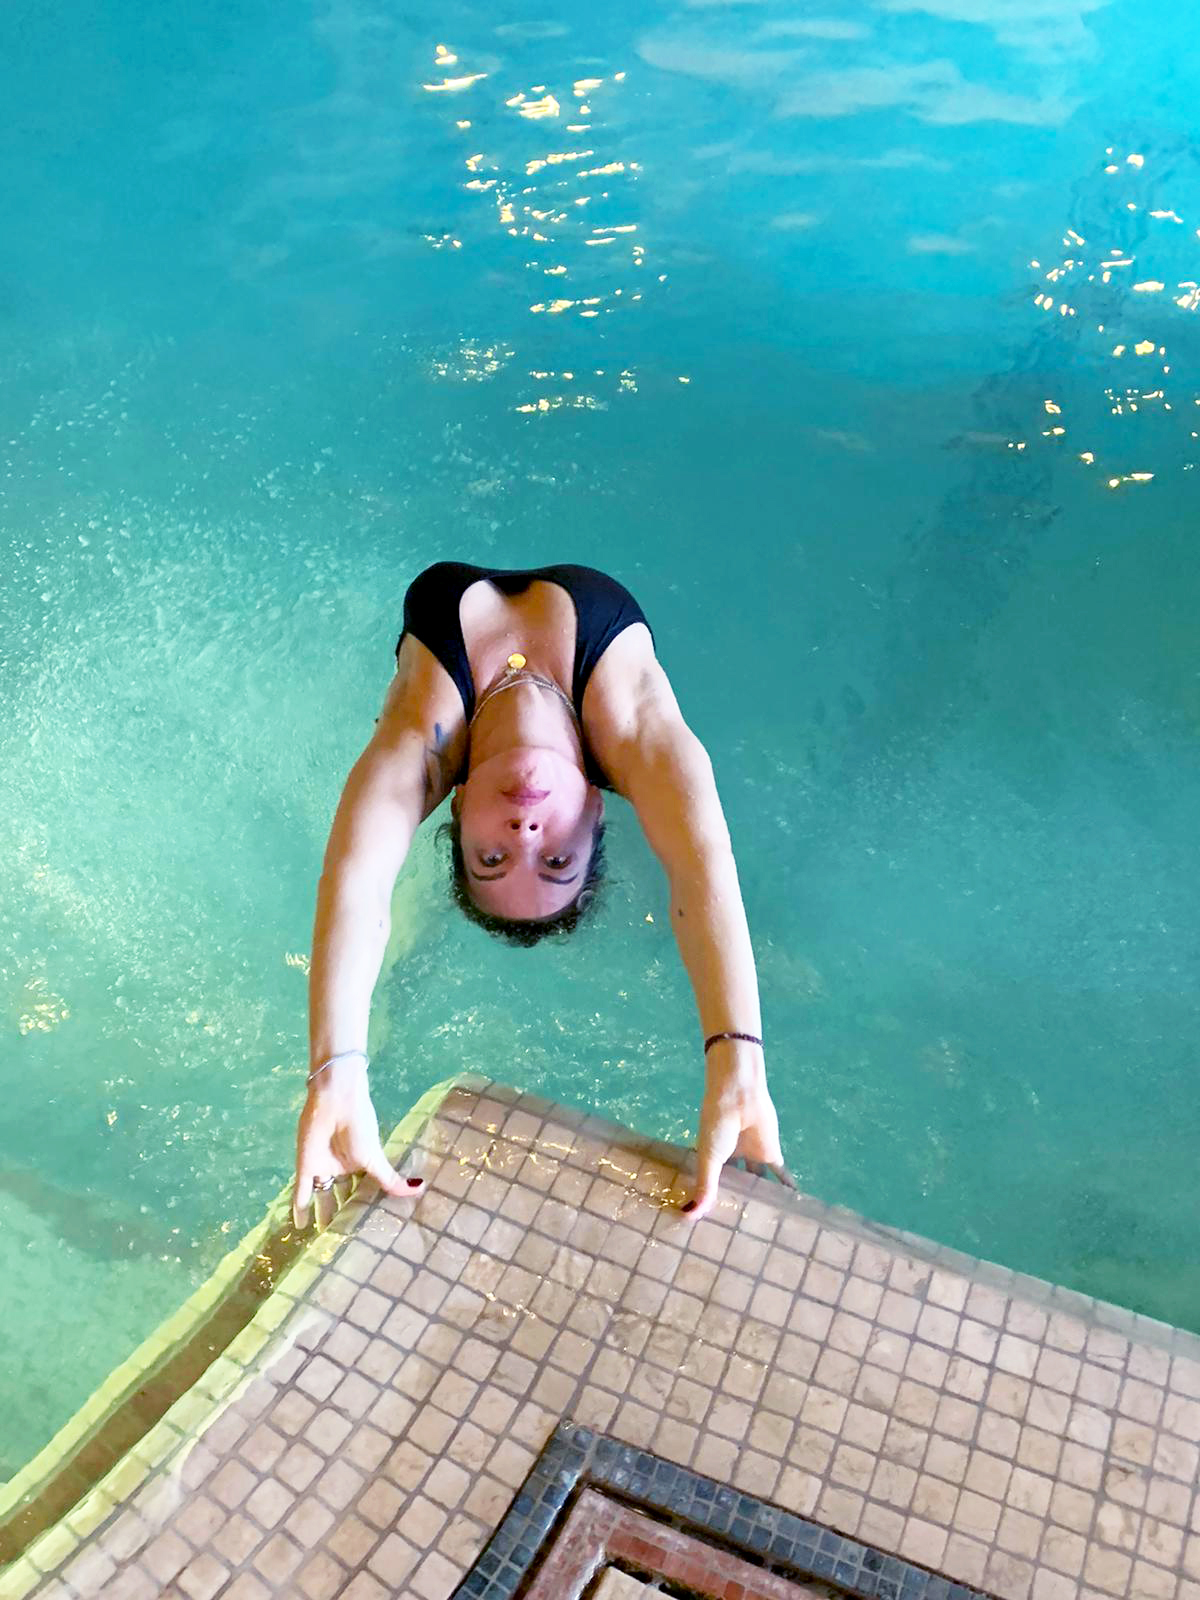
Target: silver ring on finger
323, 1185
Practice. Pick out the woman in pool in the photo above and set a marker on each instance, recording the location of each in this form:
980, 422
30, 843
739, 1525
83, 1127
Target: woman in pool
572, 701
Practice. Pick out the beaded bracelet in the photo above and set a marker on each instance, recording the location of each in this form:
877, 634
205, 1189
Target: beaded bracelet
713, 1038
345, 1056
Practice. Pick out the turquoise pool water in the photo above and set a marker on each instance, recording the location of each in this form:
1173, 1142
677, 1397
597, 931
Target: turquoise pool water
777, 312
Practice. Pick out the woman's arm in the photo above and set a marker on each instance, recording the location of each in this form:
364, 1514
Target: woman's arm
668, 778
674, 792
392, 786
373, 828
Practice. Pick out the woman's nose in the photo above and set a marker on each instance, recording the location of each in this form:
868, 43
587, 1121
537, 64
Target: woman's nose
515, 825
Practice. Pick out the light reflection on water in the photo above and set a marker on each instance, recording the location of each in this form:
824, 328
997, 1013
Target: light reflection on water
779, 318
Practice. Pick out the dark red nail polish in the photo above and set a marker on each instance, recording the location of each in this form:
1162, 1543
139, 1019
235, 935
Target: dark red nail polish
414, 1183
691, 1206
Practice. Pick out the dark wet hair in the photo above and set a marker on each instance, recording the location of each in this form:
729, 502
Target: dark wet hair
531, 930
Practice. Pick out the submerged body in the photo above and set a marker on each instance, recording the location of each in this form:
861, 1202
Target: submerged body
526, 693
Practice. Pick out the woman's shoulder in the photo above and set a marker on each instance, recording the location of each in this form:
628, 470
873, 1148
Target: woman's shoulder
422, 688
423, 703
629, 698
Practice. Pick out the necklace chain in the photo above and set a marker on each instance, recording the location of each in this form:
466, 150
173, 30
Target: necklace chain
522, 674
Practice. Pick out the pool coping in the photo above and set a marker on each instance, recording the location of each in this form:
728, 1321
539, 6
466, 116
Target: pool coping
213, 1325
232, 1368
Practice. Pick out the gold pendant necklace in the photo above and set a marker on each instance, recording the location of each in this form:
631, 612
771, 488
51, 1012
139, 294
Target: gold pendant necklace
516, 673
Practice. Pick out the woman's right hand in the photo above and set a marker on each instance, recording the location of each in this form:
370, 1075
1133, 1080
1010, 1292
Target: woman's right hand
339, 1136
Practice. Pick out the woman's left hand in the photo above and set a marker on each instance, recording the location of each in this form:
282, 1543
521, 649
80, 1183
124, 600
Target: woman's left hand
737, 1119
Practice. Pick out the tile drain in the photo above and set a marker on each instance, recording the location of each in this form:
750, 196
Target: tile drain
600, 1520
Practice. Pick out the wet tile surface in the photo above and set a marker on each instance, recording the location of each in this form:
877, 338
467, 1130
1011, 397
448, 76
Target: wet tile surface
368, 1432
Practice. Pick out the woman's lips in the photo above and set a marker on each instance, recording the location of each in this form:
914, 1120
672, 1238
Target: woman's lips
525, 797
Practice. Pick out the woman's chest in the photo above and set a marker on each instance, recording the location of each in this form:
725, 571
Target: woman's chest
538, 621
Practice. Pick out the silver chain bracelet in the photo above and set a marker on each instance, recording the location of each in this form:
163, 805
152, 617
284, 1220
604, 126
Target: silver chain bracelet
345, 1056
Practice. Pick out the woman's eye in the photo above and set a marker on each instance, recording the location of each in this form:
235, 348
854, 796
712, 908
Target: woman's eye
492, 860
557, 863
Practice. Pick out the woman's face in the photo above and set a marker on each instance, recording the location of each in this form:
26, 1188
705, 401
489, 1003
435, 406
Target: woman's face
529, 818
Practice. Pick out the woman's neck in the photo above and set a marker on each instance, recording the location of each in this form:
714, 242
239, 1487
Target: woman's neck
524, 716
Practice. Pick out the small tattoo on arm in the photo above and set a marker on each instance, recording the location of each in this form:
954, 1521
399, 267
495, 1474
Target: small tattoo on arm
437, 779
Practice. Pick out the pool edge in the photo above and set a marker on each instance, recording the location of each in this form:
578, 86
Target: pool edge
36, 1500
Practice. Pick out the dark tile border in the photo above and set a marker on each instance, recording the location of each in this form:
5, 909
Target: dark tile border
600, 1531
791, 1545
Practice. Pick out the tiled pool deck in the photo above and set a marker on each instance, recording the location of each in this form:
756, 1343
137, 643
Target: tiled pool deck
365, 1432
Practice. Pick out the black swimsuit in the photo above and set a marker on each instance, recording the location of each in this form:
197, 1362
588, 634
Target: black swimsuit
603, 609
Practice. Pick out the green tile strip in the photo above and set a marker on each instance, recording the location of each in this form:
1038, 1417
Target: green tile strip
244, 1292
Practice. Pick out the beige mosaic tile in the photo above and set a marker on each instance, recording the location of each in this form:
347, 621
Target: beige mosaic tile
401, 1383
